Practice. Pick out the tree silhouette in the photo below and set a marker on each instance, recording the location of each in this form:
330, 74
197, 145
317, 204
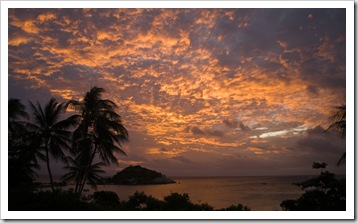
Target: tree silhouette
16, 112
16, 126
50, 134
76, 170
322, 193
338, 124
21, 163
317, 165
99, 133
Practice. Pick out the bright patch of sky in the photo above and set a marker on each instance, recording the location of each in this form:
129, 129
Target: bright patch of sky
296, 130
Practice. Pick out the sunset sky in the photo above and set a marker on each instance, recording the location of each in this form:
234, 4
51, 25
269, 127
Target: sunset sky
202, 92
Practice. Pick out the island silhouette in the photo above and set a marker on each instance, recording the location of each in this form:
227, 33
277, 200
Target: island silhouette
137, 175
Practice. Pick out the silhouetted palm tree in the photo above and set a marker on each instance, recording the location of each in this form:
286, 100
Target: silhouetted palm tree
76, 170
338, 124
338, 120
16, 109
16, 126
16, 112
50, 134
21, 162
100, 132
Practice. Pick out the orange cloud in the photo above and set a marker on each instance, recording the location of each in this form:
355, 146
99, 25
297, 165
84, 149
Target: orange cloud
18, 40
28, 26
46, 17
262, 151
66, 94
167, 152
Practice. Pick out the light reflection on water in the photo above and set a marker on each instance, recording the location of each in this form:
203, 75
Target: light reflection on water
259, 193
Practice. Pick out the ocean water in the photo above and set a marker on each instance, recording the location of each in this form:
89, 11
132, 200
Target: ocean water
259, 193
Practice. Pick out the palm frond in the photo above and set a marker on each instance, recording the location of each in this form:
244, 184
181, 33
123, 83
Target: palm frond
338, 120
16, 109
342, 159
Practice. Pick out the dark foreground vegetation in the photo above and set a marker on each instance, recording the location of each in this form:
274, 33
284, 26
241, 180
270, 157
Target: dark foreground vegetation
107, 201
93, 131
322, 193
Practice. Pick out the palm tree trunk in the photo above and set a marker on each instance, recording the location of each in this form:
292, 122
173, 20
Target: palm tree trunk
80, 179
82, 182
76, 188
77, 180
83, 176
86, 171
48, 167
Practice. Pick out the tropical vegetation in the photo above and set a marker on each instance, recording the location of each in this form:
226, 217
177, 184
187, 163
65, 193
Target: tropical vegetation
109, 201
100, 133
95, 132
338, 124
48, 133
325, 192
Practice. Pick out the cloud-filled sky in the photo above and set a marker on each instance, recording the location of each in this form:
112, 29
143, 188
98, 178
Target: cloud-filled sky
202, 92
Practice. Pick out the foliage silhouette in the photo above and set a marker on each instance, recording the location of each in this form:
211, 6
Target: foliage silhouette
21, 164
142, 202
317, 165
173, 202
106, 198
338, 124
107, 201
15, 114
74, 167
50, 134
238, 207
181, 202
51, 201
323, 193
100, 132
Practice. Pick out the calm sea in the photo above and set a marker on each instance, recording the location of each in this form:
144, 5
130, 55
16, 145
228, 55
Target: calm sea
258, 193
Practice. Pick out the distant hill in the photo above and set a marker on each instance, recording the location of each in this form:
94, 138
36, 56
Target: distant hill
137, 175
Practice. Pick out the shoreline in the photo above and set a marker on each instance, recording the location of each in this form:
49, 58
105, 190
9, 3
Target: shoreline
262, 194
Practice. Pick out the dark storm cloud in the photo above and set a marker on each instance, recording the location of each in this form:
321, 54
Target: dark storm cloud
319, 145
291, 56
325, 75
322, 142
244, 127
270, 26
313, 90
318, 130
231, 123
301, 30
216, 133
197, 131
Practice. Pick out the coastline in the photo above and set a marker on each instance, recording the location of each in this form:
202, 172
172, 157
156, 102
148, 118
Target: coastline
258, 193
